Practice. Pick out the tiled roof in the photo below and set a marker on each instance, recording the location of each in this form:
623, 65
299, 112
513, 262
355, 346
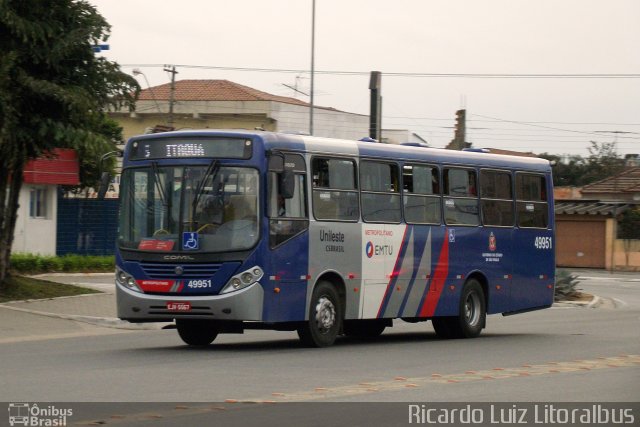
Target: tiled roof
591, 207
627, 181
212, 90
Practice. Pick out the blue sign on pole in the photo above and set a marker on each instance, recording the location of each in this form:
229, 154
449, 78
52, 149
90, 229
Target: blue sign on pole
190, 241
100, 47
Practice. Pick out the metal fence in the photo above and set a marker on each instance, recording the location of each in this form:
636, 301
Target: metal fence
87, 226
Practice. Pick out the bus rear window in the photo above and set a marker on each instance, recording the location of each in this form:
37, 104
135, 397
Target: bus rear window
532, 206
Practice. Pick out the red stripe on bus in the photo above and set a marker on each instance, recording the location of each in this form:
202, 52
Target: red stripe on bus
437, 283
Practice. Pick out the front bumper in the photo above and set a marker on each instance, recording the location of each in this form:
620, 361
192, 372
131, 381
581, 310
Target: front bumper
245, 304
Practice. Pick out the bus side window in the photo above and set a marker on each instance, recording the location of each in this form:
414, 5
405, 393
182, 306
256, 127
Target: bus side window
288, 217
380, 193
531, 203
460, 197
422, 200
335, 190
497, 198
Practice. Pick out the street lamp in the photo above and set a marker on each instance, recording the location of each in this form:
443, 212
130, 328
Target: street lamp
313, 47
137, 72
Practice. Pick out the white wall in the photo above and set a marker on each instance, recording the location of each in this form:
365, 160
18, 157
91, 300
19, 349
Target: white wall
36, 235
326, 123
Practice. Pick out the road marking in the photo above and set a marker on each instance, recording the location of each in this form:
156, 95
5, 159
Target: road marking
551, 368
361, 388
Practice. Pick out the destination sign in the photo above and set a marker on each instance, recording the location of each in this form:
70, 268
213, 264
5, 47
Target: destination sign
179, 148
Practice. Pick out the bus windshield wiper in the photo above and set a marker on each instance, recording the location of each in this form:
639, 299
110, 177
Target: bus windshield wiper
156, 174
212, 171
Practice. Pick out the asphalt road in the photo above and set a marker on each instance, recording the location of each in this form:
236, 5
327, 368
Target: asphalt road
555, 355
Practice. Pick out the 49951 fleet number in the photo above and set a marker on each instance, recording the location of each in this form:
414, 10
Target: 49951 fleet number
543, 242
199, 284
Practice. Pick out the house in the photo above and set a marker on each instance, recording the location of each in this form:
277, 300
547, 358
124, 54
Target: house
622, 186
223, 104
587, 227
400, 136
36, 224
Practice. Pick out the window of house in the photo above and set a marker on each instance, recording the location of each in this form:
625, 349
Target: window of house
421, 185
531, 201
380, 192
496, 198
335, 190
38, 203
460, 196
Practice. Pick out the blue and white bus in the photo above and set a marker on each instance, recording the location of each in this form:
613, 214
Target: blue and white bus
222, 231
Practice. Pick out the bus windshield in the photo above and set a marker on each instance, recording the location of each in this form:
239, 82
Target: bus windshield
189, 208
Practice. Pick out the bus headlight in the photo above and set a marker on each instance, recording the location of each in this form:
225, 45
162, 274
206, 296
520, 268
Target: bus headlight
126, 280
242, 280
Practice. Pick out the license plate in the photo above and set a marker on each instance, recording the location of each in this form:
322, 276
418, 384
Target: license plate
179, 306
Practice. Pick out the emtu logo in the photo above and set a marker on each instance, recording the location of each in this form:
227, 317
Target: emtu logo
369, 249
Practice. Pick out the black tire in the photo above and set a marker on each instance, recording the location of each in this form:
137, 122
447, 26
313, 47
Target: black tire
364, 328
196, 332
325, 317
472, 318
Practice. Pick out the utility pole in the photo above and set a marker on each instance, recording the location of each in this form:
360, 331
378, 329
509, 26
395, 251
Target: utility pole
172, 93
375, 114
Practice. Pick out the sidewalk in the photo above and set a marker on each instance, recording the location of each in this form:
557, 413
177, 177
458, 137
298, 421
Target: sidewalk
94, 309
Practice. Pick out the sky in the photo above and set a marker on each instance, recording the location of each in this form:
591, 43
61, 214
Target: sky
413, 43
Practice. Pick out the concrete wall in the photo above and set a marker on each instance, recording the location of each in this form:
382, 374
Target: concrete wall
627, 255
268, 115
36, 235
326, 123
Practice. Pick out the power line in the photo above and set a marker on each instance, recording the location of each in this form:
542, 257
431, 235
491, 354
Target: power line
545, 127
411, 74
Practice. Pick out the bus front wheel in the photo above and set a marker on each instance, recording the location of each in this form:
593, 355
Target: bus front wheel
325, 317
196, 332
471, 318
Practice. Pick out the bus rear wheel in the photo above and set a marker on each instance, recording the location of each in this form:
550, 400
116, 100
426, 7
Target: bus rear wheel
325, 317
471, 318
196, 332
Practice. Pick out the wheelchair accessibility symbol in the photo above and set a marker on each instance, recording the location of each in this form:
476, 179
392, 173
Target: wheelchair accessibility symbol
189, 241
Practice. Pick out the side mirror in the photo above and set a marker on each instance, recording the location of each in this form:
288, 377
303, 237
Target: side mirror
287, 184
276, 162
105, 179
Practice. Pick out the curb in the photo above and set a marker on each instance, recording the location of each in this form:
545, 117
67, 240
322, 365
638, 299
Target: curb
36, 276
595, 302
107, 322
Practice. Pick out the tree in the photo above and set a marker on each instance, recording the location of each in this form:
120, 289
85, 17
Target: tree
54, 92
89, 157
603, 162
629, 229
566, 171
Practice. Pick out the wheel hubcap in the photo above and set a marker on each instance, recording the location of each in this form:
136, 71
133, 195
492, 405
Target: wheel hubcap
472, 309
325, 314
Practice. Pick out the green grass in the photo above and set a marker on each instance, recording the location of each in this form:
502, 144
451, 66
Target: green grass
16, 288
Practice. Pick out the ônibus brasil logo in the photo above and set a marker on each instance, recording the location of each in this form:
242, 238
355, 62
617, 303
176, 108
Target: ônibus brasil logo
27, 414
